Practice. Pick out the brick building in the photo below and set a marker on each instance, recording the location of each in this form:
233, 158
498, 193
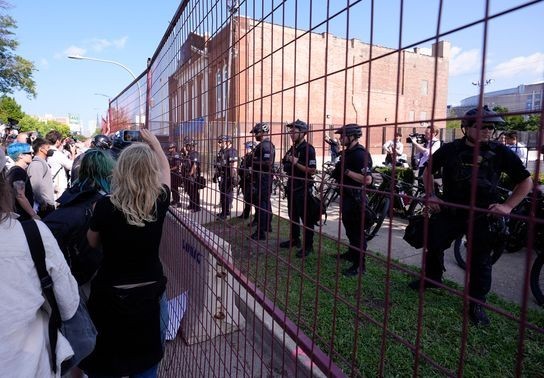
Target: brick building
278, 74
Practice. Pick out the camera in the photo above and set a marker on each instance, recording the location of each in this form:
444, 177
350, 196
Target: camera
132, 136
420, 138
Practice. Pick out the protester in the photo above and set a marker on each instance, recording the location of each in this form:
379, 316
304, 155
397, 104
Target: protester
127, 294
511, 140
70, 221
17, 177
60, 164
41, 179
24, 320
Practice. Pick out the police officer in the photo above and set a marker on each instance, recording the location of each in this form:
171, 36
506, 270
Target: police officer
263, 159
227, 164
459, 168
299, 165
174, 160
352, 172
244, 177
190, 169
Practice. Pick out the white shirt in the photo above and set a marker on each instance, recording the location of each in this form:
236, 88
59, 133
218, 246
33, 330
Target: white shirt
390, 144
520, 150
24, 336
430, 148
59, 163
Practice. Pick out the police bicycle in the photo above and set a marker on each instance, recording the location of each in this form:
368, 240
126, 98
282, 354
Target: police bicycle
515, 234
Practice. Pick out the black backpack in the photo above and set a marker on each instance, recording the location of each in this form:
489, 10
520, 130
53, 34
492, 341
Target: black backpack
69, 225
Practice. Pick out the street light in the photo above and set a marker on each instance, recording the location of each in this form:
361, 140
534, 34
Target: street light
79, 57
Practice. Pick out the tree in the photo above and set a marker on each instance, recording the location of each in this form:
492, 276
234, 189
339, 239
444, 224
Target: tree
9, 108
29, 123
518, 122
15, 71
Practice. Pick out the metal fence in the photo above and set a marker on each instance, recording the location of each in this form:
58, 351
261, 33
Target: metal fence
251, 308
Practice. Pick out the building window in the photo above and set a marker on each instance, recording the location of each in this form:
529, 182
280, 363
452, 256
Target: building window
225, 87
218, 94
422, 116
193, 100
203, 92
537, 105
411, 115
424, 87
185, 103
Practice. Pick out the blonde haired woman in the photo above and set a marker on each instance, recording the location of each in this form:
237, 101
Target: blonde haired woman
127, 294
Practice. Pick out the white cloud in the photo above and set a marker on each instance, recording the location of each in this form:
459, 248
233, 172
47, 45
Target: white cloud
44, 63
74, 50
120, 43
462, 62
531, 66
100, 44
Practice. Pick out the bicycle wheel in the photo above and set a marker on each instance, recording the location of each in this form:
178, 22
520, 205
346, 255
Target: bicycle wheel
460, 252
380, 205
537, 278
416, 207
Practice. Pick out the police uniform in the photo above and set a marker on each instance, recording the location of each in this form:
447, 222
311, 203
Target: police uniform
191, 159
455, 160
356, 159
226, 183
174, 161
263, 159
244, 175
299, 185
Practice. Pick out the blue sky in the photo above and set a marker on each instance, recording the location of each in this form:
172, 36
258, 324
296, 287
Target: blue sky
129, 32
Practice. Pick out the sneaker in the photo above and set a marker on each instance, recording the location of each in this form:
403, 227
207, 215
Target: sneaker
304, 252
258, 236
414, 285
289, 243
352, 271
477, 315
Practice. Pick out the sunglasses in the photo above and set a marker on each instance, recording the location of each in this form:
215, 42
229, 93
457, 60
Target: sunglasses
486, 126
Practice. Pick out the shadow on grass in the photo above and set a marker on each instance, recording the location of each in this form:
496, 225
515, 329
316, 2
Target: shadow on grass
359, 320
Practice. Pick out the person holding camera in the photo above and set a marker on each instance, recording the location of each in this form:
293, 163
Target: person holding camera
455, 160
263, 160
127, 301
300, 165
424, 147
352, 172
227, 162
190, 171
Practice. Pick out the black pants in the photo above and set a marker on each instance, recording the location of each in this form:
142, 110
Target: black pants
447, 226
261, 199
192, 191
176, 183
296, 202
226, 194
352, 221
245, 185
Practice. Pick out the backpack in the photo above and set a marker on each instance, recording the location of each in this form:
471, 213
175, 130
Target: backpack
69, 225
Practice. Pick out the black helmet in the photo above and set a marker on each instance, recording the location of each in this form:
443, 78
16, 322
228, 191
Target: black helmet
250, 144
351, 129
101, 141
172, 145
224, 138
189, 141
298, 124
488, 116
261, 127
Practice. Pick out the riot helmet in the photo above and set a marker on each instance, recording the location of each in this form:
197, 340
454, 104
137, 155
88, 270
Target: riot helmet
351, 129
488, 116
102, 142
261, 127
298, 124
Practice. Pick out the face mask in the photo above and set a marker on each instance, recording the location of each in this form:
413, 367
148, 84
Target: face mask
50, 153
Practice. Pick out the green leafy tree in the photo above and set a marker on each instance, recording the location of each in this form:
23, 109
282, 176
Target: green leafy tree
15, 71
9, 108
29, 123
453, 123
518, 122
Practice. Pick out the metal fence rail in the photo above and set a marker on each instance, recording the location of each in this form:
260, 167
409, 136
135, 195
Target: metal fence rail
222, 67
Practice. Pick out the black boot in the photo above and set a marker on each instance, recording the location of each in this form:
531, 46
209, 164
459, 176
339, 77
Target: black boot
477, 315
